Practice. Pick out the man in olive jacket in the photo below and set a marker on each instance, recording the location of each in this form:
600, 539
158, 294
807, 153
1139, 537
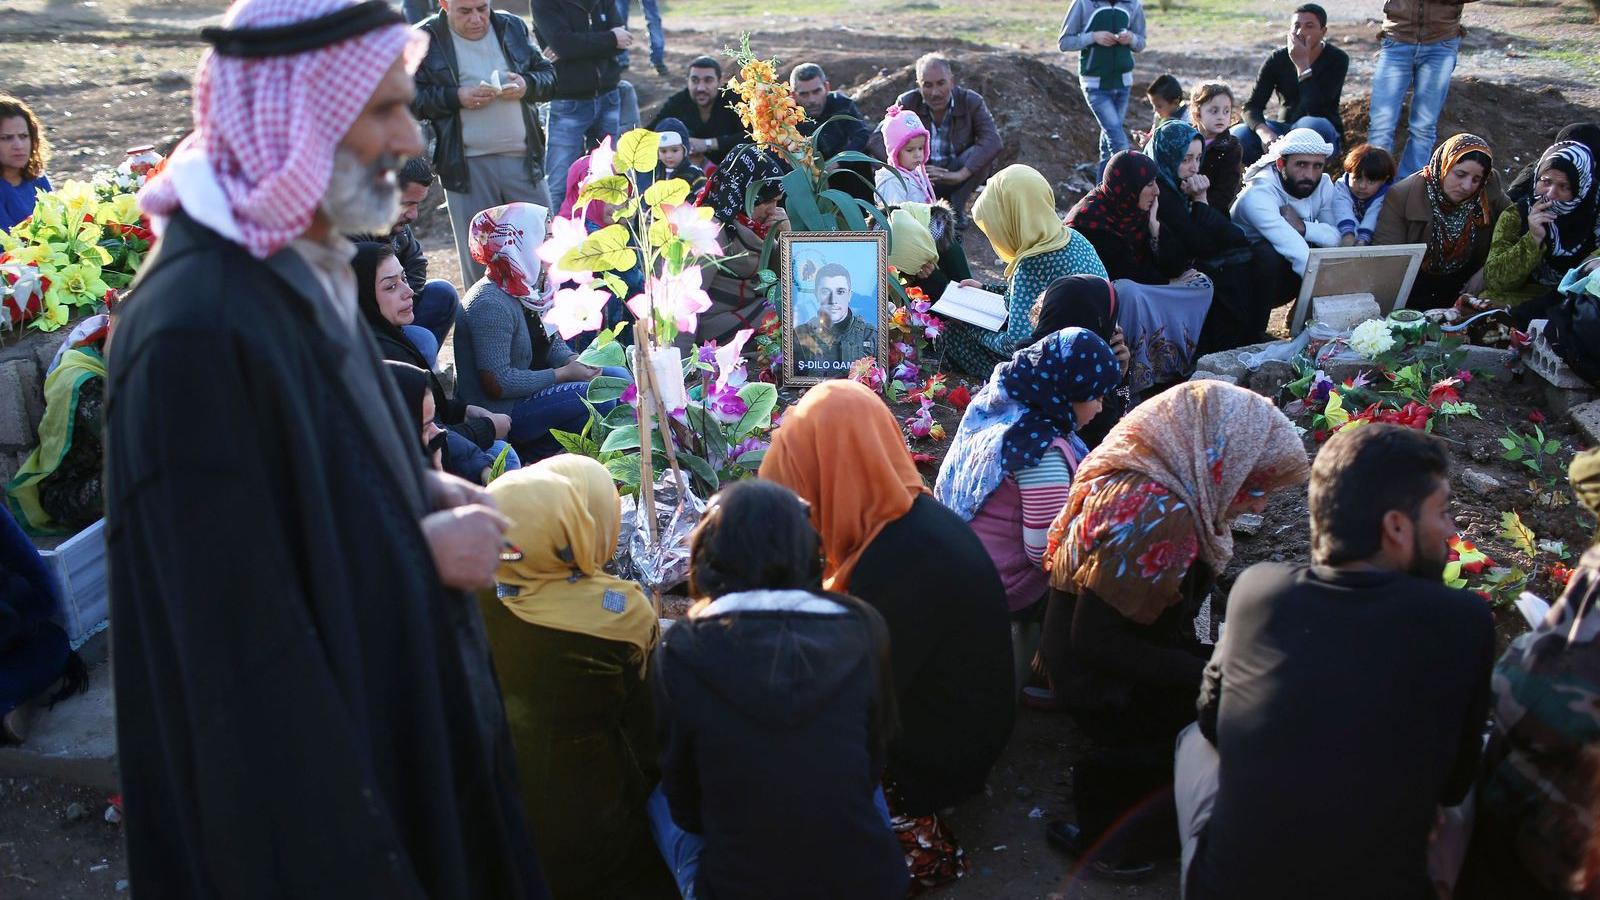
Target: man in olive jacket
962, 135
490, 146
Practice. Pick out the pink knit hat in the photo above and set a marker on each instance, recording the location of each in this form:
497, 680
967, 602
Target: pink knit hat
899, 127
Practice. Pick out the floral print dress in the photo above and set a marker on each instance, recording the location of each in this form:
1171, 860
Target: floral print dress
977, 351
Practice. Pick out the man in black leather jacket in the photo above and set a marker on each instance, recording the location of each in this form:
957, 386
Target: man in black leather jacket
484, 157
582, 37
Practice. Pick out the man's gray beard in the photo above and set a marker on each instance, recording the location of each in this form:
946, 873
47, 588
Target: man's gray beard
354, 202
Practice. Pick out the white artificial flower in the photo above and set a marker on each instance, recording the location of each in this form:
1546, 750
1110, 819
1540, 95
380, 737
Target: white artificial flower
1372, 338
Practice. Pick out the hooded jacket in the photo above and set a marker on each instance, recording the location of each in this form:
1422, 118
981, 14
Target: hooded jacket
768, 704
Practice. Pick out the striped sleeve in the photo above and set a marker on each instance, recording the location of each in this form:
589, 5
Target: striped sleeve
1044, 488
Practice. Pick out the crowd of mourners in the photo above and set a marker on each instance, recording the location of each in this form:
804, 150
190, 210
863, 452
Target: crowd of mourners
366, 633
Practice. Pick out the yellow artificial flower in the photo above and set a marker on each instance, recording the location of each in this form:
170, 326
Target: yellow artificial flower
122, 209
53, 316
78, 284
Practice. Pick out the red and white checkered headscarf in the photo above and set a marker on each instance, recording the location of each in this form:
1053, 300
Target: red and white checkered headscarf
267, 129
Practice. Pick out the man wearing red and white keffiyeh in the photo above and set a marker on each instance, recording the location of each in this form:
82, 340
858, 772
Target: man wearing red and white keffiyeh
305, 703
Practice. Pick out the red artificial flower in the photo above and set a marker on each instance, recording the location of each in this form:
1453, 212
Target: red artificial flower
921, 458
1319, 435
1444, 391
1485, 596
1464, 376
960, 397
1560, 574
1536, 417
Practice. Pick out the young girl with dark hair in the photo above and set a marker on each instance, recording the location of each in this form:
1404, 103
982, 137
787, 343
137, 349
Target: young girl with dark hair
773, 688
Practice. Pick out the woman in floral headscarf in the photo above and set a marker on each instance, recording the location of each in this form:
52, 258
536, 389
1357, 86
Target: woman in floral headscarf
508, 362
1132, 555
1164, 300
887, 542
1017, 212
1450, 205
737, 299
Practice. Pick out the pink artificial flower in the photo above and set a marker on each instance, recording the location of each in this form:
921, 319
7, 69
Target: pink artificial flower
677, 296
730, 361
748, 445
695, 227
565, 236
1464, 376
921, 424
630, 394
600, 161
576, 310
725, 404
866, 371
907, 372
905, 350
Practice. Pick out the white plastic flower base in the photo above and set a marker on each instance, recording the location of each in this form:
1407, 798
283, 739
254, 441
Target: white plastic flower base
79, 567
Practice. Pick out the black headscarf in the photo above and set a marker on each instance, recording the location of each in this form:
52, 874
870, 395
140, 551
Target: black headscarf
1084, 301
1574, 232
744, 165
1585, 133
369, 255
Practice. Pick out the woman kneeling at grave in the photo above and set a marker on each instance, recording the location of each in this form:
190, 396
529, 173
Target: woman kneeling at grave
776, 708
1009, 468
914, 561
1133, 556
508, 361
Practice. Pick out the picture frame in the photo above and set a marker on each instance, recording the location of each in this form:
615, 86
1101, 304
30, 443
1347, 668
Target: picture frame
1385, 271
851, 268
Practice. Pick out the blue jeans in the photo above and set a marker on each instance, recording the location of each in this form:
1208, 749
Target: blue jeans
558, 407
1427, 67
1109, 106
575, 126
464, 458
423, 339
652, 24
681, 849
435, 308
1250, 142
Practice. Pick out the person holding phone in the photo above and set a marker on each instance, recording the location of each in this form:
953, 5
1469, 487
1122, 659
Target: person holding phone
1546, 232
1105, 34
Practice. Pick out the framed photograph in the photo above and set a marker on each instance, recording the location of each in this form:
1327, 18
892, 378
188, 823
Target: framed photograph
835, 302
1386, 272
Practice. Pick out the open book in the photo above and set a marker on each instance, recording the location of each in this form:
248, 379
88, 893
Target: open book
974, 306
494, 81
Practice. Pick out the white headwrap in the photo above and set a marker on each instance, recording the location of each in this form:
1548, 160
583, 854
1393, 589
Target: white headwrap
1300, 141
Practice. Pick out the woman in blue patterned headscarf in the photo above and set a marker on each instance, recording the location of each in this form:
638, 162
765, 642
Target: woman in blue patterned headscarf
1011, 463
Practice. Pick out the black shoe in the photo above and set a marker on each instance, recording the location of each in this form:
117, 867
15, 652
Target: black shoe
661, 69
1070, 839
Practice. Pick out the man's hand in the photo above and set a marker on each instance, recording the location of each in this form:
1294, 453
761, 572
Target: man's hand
575, 371
699, 146
515, 88
1196, 186
1267, 135
475, 96
946, 176
465, 544
1539, 218
624, 39
1293, 218
550, 54
1104, 38
1299, 53
971, 283
502, 423
1125, 37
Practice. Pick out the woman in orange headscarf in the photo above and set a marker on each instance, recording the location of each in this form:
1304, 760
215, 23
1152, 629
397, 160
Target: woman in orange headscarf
888, 542
1451, 206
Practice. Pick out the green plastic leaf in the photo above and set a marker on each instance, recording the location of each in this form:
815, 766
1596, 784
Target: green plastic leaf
1514, 454
766, 277
498, 467
625, 471
1452, 575
605, 388
620, 415
667, 193
573, 443
1520, 535
701, 470
762, 399
611, 189
1552, 446
637, 150
751, 459
624, 438
605, 250
611, 354
800, 202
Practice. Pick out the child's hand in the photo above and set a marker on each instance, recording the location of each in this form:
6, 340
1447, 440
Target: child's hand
1124, 37
1104, 38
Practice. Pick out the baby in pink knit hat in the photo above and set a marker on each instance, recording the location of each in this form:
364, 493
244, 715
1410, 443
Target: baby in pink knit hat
905, 178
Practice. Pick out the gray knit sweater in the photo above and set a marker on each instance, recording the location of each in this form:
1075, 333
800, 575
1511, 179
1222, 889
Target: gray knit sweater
503, 347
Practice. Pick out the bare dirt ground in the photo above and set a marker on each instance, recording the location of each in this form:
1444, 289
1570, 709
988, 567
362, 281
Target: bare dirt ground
113, 74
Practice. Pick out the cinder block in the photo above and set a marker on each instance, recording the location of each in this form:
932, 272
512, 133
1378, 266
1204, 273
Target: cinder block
1269, 378
1345, 311
1545, 362
1586, 418
18, 429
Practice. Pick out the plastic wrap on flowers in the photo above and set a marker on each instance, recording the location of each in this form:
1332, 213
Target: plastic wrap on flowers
664, 563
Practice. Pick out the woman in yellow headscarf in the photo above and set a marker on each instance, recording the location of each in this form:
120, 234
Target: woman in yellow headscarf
571, 644
925, 249
1017, 212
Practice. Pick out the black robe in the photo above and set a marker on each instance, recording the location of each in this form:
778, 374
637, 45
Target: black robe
302, 709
